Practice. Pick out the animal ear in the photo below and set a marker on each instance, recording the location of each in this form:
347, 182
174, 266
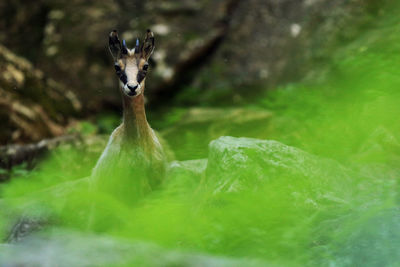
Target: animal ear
148, 45
114, 45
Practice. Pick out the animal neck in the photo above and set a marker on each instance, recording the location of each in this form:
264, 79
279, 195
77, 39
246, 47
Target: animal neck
136, 127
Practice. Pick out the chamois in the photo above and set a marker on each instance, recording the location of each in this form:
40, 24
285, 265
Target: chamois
133, 162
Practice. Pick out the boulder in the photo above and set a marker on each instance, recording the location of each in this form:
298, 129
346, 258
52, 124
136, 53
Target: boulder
244, 163
185, 174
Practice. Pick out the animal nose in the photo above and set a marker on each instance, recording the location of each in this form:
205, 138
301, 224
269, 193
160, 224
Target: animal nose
132, 87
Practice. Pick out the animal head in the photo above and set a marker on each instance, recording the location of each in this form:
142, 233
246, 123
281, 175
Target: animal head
131, 65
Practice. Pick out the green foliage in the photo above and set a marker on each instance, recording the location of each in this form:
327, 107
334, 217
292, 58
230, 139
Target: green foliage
106, 123
170, 118
64, 164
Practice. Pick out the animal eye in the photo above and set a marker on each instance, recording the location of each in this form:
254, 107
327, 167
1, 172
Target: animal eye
145, 66
117, 69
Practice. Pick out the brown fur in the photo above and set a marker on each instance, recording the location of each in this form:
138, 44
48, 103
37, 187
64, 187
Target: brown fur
133, 162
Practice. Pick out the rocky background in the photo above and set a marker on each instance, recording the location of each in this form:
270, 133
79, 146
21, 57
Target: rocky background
55, 67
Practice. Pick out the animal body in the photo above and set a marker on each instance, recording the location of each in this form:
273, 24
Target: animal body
133, 162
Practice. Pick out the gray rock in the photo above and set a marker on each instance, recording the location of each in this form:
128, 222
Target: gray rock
182, 175
193, 168
68, 248
238, 163
374, 241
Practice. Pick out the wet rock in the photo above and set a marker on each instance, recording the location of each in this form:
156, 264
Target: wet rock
235, 164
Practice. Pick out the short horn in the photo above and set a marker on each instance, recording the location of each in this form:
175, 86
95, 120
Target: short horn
124, 49
137, 46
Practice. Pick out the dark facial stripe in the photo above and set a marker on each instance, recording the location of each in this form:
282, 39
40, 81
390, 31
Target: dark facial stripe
124, 79
140, 76
121, 74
